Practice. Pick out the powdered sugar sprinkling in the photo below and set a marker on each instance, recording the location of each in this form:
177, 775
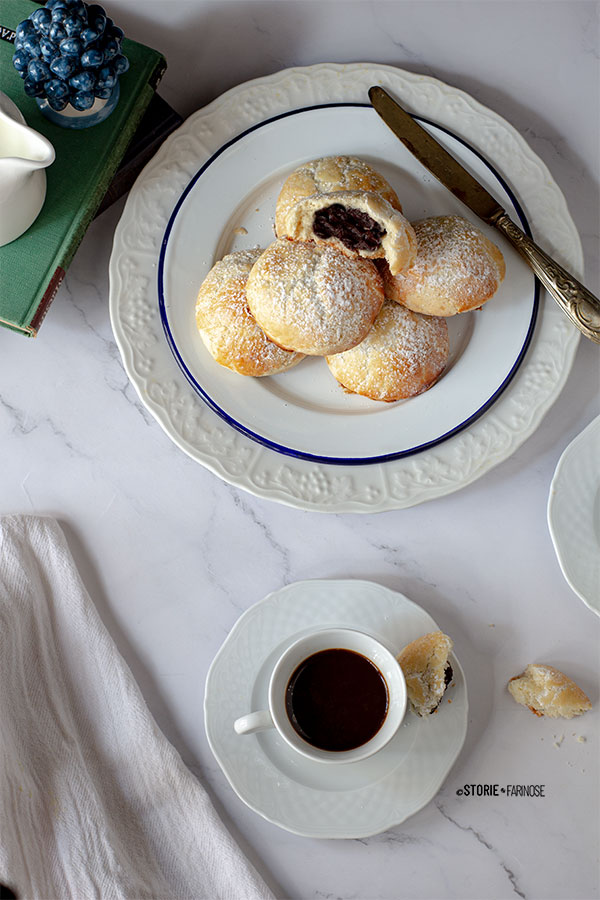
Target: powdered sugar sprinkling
403, 355
312, 298
226, 325
457, 268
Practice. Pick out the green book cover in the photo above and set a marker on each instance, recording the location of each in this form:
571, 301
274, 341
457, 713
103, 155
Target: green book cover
33, 266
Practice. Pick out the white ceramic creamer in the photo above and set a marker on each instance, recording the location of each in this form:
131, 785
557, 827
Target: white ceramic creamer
24, 154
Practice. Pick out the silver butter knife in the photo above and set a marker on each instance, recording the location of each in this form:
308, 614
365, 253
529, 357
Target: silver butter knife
579, 304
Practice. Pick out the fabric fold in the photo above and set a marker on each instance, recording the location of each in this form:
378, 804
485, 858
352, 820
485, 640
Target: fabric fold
94, 801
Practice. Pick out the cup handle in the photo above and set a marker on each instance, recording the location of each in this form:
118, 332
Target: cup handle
256, 721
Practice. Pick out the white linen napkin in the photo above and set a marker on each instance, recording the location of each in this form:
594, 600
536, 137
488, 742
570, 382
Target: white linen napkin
94, 801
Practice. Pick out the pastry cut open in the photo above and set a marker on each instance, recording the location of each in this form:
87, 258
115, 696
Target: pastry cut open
427, 671
358, 223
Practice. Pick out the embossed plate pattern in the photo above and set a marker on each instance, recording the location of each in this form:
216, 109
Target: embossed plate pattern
574, 514
301, 795
303, 483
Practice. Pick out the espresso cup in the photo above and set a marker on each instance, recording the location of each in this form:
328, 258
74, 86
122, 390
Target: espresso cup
336, 695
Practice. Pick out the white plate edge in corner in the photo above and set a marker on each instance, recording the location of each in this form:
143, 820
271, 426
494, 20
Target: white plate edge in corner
555, 528
298, 483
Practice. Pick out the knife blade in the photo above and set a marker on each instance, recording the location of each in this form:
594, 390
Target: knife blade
579, 304
435, 157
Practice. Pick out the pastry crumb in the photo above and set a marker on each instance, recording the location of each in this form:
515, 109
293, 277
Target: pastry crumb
240, 230
581, 739
558, 741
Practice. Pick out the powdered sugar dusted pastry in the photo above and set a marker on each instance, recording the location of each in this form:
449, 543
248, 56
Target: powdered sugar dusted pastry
547, 692
403, 355
330, 173
427, 671
457, 269
227, 326
359, 223
311, 298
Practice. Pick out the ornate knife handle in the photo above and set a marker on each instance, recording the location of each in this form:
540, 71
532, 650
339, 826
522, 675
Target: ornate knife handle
575, 300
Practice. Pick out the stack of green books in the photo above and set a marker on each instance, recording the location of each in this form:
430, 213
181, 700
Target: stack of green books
33, 266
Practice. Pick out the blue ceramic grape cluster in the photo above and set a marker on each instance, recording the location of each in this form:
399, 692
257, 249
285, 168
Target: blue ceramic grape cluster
69, 52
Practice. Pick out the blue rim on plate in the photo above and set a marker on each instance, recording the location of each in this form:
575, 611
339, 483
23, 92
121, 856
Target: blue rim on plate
290, 451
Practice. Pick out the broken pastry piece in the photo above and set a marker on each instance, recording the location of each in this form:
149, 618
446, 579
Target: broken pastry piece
427, 671
548, 692
358, 223
326, 175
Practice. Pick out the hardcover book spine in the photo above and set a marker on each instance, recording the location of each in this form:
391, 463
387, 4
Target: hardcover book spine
33, 266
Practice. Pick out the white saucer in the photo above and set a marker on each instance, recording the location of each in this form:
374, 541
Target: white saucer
302, 796
574, 514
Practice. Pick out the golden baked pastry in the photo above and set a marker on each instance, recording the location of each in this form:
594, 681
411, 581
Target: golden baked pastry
226, 325
311, 298
457, 269
548, 692
358, 223
427, 671
403, 354
327, 174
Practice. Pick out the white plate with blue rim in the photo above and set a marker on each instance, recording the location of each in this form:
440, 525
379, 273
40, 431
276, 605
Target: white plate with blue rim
298, 438
229, 204
301, 795
574, 514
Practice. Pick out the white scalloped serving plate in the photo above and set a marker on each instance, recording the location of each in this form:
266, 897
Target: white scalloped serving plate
306, 483
352, 800
574, 514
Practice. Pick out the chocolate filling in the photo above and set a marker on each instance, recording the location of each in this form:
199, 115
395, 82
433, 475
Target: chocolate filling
448, 676
354, 228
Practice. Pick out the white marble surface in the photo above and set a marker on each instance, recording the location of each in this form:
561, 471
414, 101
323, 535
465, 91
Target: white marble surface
171, 555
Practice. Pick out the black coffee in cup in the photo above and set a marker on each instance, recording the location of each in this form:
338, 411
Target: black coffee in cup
337, 699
